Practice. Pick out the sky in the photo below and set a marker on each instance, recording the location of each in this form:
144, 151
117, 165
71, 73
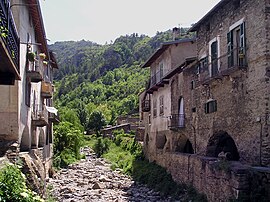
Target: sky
103, 21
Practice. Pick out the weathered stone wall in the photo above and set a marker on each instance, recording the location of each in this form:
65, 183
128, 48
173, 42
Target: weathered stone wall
242, 95
220, 180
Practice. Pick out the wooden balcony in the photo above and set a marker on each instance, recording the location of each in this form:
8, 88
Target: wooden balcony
46, 89
177, 121
9, 46
35, 71
146, 105
40, 116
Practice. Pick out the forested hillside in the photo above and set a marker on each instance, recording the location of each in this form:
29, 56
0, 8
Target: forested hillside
104, 78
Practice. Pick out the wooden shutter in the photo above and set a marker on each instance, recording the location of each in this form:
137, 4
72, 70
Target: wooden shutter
242, 48
230, 49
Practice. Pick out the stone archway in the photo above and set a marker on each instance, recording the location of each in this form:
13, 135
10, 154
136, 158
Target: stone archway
183, 145
220, 142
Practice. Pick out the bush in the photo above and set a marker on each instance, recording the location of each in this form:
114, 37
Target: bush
67, 143
101, 146
13, 186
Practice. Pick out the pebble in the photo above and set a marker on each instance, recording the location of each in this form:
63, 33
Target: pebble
92, 180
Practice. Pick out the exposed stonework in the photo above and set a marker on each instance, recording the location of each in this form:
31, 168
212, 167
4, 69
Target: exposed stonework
226, 89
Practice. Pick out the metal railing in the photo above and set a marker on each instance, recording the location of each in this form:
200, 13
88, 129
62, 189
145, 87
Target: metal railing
156, 78
8, 32
177, 121
232, 60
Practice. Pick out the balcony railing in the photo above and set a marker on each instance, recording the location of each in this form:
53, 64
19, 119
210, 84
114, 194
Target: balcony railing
35, 71
46, 89
146, 105
224, 65
8, 33
40, 115
177, 121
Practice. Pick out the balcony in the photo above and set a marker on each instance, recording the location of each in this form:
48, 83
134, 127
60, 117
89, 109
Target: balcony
225, 65
46, 89
177, 121
157, 81
40, 116
9, 46
146, 105
35, 71
53, 114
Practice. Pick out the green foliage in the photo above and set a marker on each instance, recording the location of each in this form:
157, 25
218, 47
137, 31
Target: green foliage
101, 146
67, 143
96, 121
13, 186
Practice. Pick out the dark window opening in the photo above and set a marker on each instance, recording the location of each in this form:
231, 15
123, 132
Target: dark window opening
192, 85
193, 109
214, 58
210, 106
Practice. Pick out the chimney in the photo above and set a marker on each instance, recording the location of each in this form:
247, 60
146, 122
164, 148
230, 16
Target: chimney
176, 33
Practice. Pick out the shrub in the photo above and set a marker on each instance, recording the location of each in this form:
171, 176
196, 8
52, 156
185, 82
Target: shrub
13, 186
101, 146
67, 143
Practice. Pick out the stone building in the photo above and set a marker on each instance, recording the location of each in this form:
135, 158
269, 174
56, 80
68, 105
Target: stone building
218, 106
26, 66
158, 115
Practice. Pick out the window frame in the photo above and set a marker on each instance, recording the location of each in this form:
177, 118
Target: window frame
161, 105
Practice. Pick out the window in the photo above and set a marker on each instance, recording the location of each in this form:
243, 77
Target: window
154, 108
192, 84
214, 58
28, 92
236, 45
161, 105
210, 106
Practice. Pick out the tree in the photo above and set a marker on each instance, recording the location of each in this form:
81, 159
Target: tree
96, 121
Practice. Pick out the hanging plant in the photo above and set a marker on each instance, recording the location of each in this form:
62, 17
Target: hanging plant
31, 56
42, 56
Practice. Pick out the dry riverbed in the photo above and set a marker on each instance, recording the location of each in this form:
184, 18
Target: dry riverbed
91, 179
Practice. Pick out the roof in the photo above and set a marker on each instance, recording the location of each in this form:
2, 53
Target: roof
35, 11
162, 48
208, 15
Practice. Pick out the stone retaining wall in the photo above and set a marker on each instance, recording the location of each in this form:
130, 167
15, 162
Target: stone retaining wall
219, 179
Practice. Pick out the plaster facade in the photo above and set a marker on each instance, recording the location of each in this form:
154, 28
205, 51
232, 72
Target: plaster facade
23, 108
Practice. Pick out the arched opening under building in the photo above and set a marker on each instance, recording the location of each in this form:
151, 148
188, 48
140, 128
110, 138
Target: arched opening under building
220, 142
41, 138
25, 140
183, 145
160, 141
